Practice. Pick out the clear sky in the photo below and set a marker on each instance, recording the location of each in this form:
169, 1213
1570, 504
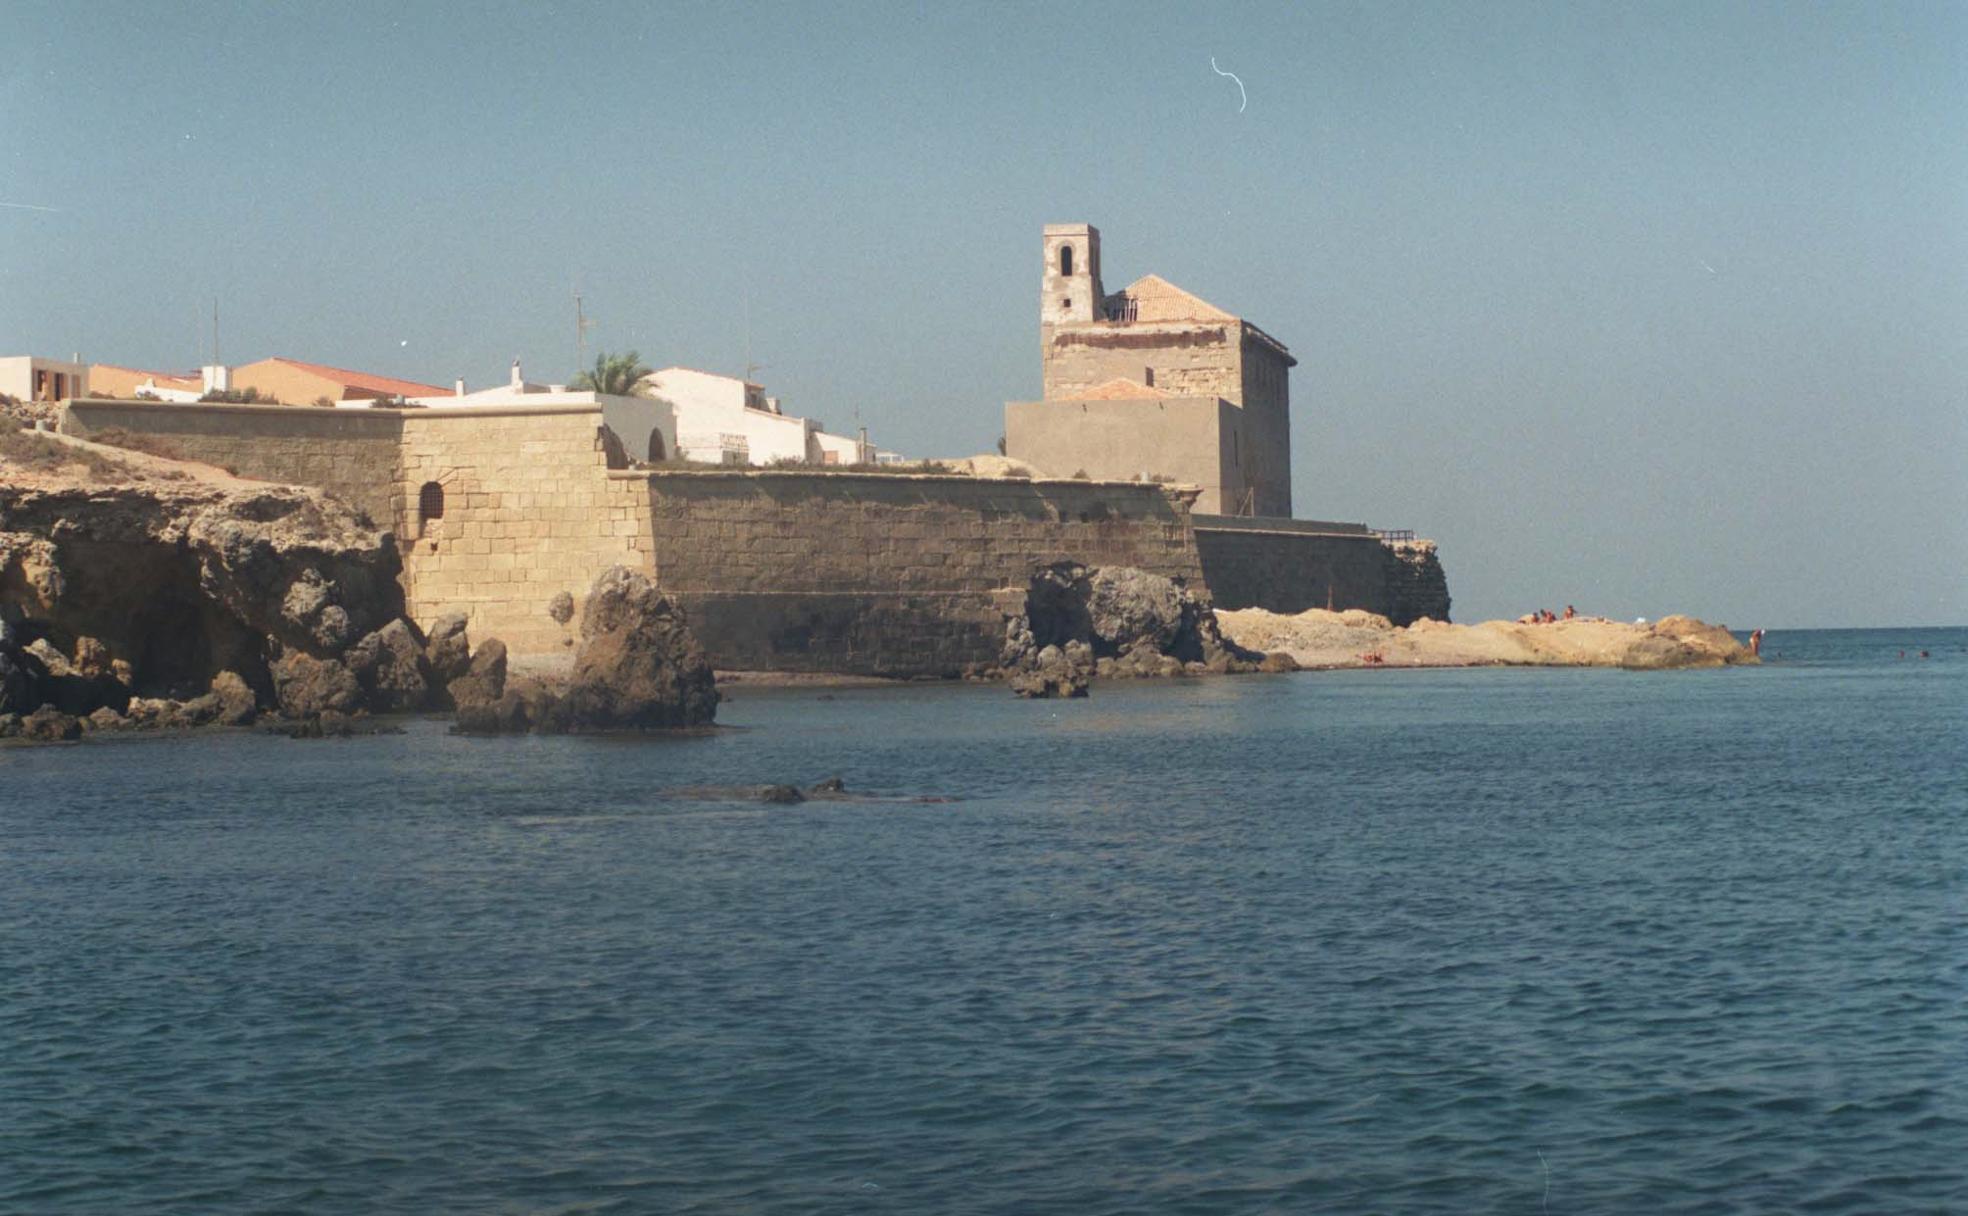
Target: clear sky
1642, 307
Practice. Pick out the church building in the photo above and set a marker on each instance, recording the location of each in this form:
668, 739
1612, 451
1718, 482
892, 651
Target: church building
1153, 383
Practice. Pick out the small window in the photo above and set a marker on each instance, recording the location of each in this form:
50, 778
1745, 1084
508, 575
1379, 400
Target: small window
430, 502
656, 452
1066, 260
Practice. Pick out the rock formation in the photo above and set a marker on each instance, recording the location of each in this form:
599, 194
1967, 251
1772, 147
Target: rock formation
1113, 622
637, 668
148, 597
1317, 638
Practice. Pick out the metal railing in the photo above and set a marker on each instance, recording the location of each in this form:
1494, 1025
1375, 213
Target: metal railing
1120, 308
1393, 533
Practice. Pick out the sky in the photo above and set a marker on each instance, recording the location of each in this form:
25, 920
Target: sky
1644, 308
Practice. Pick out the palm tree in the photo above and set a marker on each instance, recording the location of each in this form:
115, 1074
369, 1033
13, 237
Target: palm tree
618, 375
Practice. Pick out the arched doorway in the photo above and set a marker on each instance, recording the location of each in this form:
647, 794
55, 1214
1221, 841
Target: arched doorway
657, 453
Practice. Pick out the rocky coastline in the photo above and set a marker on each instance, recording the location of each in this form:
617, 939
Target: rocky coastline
1321, 640
144, 593
138, 593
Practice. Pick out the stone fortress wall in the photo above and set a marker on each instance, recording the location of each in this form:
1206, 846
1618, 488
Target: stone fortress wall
779, 570
1289, 565
526, 506
350, 453
887, 574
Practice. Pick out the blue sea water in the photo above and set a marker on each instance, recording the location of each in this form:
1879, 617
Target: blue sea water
1391, 941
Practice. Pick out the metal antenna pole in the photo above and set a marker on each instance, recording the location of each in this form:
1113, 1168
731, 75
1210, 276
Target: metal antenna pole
581, 324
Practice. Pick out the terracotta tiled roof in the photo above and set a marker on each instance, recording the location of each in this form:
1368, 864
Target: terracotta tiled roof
1118, 389
179, 380
1157, 299
376, 384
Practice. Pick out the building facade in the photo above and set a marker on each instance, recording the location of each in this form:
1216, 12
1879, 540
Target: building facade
1152, 382
28, 378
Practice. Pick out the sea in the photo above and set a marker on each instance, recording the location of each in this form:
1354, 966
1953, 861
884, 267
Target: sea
1500, 940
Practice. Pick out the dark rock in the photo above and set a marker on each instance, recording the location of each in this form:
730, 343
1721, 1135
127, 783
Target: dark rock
10, 726
306, 687
105, 718
1127, 607
19, 687
832, 785
561, 607
638, 668
525, 705
484, 681
50, 725
784, 794
74, 688
1277, 661
1056, 672
390, 666
447, 652
1130, 624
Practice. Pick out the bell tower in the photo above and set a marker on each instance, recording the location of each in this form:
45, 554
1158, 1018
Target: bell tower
1069, 290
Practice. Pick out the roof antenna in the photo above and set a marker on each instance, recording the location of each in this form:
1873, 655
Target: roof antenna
581, 324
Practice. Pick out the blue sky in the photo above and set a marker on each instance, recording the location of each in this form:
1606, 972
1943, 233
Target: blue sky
1645, 308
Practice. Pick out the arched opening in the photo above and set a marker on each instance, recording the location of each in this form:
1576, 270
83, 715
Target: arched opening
430, 507
656, 452
1066, 260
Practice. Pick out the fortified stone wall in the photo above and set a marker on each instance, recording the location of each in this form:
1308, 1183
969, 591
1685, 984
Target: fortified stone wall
350, 453
1289, 571
891, 575
529, 511
528, 507
791, 571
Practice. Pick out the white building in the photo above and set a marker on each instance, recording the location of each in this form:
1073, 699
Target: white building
647, 427
27, 378
727, 420
680, 413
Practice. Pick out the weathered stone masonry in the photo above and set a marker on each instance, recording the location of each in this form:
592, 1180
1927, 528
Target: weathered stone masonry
780, 570
884, 574
1291, 565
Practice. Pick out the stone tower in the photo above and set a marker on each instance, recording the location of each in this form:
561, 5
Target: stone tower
1069, 290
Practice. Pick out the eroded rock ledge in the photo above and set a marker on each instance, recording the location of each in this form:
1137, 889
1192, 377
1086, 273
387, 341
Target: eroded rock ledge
170, 601
1321, 639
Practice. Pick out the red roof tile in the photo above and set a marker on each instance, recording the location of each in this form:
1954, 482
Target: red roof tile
387, 385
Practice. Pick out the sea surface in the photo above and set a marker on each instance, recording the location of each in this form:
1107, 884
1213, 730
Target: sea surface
1374, 941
